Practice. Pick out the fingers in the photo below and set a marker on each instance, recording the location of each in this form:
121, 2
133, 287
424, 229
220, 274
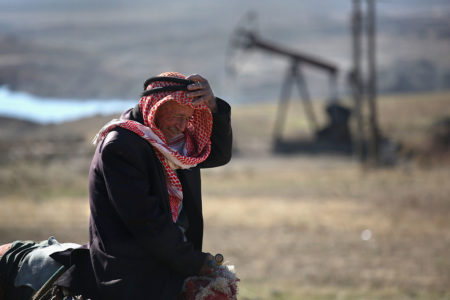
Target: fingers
200, 84
198, 93
201, 92
209, 101
196, 78
199, 101
206, 268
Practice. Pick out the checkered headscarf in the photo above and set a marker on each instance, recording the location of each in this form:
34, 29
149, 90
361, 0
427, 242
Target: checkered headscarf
197, 136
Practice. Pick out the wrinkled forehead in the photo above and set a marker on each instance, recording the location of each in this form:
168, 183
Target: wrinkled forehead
176, 108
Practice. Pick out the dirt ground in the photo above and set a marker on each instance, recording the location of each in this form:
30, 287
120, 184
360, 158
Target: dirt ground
323, 224
301, 227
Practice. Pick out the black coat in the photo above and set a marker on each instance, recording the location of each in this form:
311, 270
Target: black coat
136, 250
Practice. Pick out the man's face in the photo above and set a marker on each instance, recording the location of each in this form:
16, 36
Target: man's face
172, 118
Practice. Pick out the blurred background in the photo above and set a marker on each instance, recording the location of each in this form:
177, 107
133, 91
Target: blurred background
338, 188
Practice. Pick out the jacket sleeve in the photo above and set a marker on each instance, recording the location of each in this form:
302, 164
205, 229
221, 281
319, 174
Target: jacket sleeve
126, 173
221, 137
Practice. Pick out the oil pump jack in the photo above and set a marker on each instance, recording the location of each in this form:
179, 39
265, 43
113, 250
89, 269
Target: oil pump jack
336, 135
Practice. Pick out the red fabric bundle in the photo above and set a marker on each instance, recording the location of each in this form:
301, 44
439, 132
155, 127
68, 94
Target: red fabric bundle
221, 285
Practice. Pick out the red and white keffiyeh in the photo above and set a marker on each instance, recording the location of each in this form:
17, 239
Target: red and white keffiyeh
197, 145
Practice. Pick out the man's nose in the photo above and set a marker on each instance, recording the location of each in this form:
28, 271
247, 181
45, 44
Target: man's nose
181, 125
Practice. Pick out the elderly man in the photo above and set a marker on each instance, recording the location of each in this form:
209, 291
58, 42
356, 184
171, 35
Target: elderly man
146, 222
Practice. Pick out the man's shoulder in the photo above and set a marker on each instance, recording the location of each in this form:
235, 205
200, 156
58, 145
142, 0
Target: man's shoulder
124, 140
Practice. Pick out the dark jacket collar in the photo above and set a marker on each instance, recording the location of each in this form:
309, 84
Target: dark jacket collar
133, 114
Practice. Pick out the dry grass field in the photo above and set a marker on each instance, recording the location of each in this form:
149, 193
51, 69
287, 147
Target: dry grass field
295, 227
